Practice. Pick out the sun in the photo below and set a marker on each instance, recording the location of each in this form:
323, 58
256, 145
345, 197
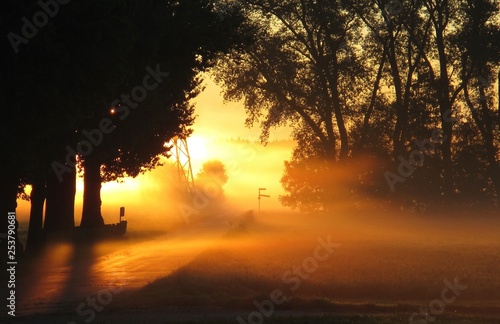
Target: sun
199, 151
198, 148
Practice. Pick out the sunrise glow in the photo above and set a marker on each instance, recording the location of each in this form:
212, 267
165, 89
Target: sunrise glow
235, 161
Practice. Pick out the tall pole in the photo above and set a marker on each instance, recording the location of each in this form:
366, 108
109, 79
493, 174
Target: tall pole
261, 195
259, 201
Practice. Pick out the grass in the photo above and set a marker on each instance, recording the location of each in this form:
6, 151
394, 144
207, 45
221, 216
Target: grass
149, 317
383, 270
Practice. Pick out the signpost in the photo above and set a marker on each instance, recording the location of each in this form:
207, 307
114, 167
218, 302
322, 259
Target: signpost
122, 213
261, 195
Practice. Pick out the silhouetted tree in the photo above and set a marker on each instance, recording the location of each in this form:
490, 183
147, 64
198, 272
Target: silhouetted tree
301, 70
479, 41
380, 78
143, 128
62, 84
212, 173
39, 120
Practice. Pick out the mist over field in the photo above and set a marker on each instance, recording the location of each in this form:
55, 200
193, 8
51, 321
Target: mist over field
356, 259
215, 254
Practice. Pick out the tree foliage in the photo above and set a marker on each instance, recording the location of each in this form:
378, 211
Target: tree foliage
373, 80
69, 79
212, 172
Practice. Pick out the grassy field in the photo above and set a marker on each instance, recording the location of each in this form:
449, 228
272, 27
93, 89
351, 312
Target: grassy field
366, 268
155, 317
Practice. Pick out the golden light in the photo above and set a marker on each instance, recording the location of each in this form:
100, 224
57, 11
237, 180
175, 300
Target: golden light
128, 184
112, 111
198, 148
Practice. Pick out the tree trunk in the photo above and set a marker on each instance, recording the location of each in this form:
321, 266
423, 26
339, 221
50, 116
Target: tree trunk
446, 113
91, 214
485, 126
60, 204
401, 113
337, 110
371, 106
35, 231
8, 204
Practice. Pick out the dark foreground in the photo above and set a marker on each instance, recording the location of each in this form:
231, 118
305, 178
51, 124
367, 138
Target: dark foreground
156, 316
372, 270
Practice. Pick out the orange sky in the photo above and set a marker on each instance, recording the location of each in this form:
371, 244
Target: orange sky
217, 119
218, 125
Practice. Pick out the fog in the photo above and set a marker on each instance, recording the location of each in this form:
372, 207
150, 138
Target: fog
225, 254
354, 256
231, 259
152, 199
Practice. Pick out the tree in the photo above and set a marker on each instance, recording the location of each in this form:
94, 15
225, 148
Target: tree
73, 70
143, 128
35, 117
479, 41
305, 69
301, 70
212, 173
441, 13
377, 79
208, 193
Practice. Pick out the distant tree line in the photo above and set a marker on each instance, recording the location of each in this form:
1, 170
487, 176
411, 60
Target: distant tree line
387, 98
99, 86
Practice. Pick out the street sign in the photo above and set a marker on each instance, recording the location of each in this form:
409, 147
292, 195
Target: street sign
261, 195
